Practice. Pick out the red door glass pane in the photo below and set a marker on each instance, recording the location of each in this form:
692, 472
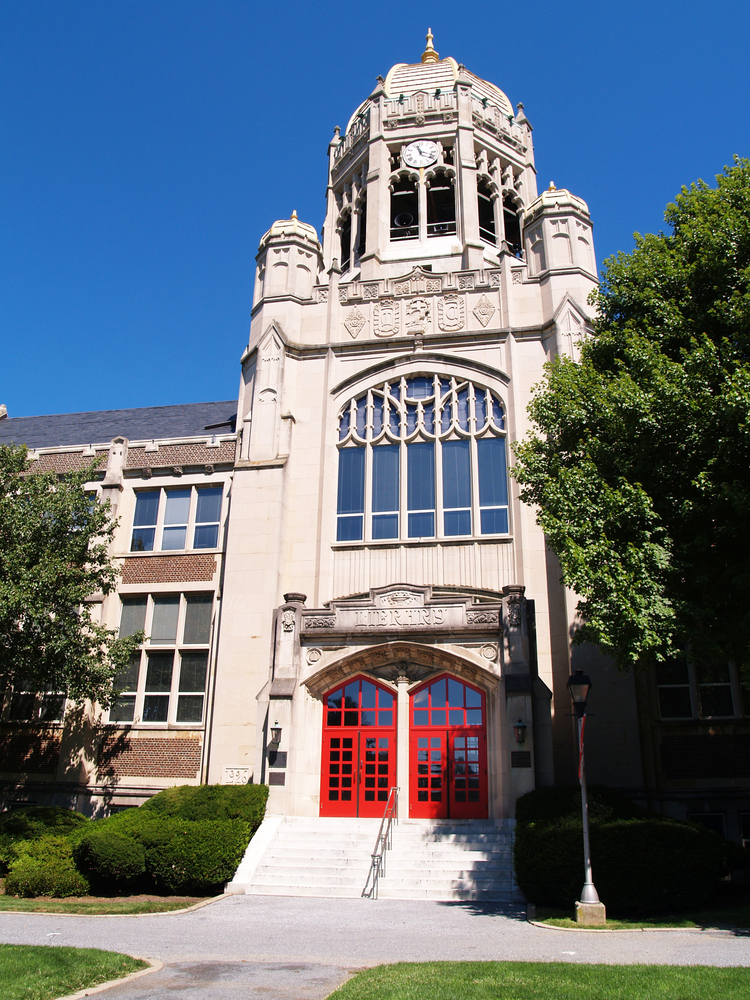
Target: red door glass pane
448, 751
359, 749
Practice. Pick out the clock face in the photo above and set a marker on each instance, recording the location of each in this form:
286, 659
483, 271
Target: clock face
421, 153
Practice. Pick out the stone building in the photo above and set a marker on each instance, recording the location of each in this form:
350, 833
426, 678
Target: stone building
341, 589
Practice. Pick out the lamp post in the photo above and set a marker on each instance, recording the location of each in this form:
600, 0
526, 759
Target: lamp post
589, 910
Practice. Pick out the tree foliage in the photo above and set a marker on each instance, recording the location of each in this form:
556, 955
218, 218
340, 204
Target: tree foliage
640, 460
54, 556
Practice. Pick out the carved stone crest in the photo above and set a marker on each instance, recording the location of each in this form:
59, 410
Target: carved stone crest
514, 615
417, 315
354, 322
386, 318
484, 310
287, 620
401, 599
451, 312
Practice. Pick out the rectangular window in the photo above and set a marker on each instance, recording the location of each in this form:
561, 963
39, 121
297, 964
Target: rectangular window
385, 481
715, 691
456, 488
171, 518
420, 489
493, 486
166, 681
351, 495
28, 706
673, 685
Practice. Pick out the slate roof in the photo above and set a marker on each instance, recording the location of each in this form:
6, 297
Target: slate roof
100, 426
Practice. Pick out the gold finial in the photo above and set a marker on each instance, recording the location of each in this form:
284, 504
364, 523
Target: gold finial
552, 186
430, 55
294, 213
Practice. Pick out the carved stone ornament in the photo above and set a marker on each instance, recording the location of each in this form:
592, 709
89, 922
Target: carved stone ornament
495, 277
402, 288
484, 310
386, 318
448, 116
489, 651
451, 312
314, 654
354, 322
517, 277
465, 281
482, 618
433, 285
401, 599
370, 291
327, 621
322, 295
287, 620
390, 123
515, 613
343, 294
417, 315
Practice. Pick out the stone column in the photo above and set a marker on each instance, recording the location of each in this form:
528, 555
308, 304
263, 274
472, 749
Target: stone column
402, 730
516, 667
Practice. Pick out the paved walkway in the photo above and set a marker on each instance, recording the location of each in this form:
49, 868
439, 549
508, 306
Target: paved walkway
294, 948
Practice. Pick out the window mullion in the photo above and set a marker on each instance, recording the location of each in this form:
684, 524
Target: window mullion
192, 513
159, 533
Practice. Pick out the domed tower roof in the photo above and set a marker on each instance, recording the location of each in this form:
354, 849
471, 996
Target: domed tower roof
431, 74
291, 227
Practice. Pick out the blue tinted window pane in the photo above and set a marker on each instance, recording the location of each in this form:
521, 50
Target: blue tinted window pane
351, 481
429, 417
411, 418
395, 420
498, 414
173, 538
385, 718
377, 415
209, 505
445, 384
455, 693
143, 540
463, 409
473, 698
385, 463
438, 718
206, 536
494, 522
361, 416
349, 529
456, 475
369, 694
457, 522
421, 697
146, 508
419, 388
446, 416
421, 525
480, 408
473, 717
493, 479
437, 693
385, 526
421, 476
395, 390
178, 507
385, 700
344, 424
421, 718
155, 708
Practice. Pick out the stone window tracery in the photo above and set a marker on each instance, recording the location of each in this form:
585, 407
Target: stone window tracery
422, 456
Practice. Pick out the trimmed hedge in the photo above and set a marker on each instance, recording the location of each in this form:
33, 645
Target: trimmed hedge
641, 861
45, 867
184, 857
199, 802
19, 825
111, 861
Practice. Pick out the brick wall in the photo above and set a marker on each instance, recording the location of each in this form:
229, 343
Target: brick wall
193, 568
144, 757
68, 461
31, 750
181, 454
703, 757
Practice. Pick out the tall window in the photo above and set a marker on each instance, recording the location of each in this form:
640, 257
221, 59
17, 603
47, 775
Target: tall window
404, 210
346, 242
512, 224
422, 457
179, 518
486, 213
165, 681
441, 206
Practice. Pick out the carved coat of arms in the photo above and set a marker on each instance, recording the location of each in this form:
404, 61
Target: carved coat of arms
417, 315
451, 312
386, 318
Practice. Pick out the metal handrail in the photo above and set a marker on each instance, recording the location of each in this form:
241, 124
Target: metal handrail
383, 843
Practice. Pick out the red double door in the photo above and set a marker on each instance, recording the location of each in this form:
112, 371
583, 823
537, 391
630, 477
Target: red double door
447, 750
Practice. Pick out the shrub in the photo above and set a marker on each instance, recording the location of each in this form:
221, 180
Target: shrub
198, 802
45, 867
110, 860
642, 862
186, 857
19, 825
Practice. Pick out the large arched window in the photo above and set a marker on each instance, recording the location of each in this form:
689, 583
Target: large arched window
404, 209
422, 456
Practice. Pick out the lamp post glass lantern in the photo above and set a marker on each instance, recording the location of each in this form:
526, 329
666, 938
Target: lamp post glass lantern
579, 685
520, 730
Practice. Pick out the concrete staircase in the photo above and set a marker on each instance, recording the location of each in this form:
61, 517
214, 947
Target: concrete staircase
430, 859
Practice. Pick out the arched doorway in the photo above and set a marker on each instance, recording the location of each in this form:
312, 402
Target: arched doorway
359, 749
447, 750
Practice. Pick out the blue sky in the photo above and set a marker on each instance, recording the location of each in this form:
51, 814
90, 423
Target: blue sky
147, 146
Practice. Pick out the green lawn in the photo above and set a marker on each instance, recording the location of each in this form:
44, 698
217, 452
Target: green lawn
544, 981
89, 906
721, 916
41, 972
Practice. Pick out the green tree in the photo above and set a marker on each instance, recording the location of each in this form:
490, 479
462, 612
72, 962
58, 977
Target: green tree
54, 542
640, 460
